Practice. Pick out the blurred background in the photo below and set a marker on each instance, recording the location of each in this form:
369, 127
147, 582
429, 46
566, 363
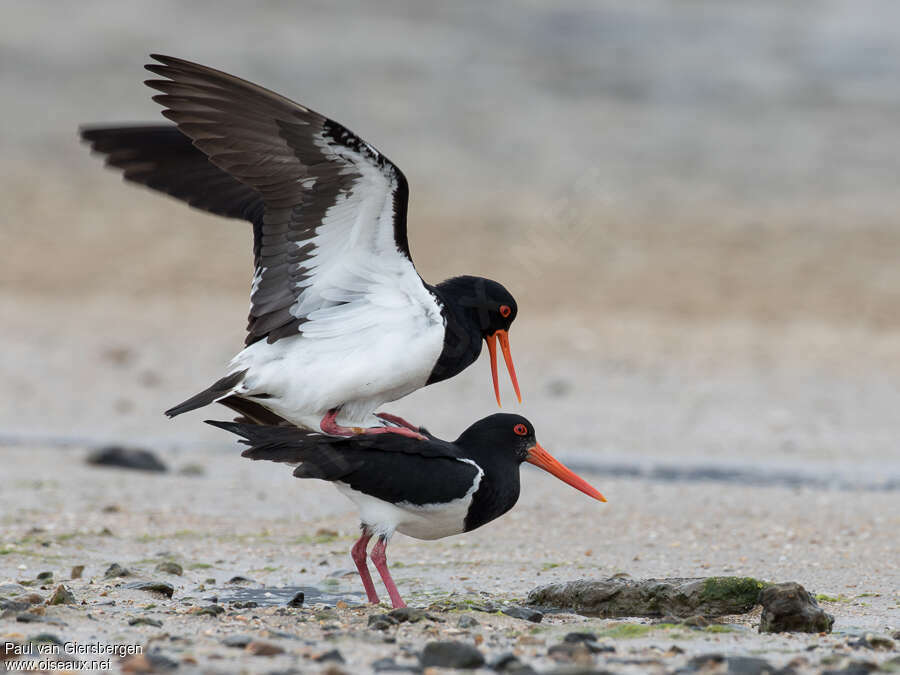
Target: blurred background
695, 204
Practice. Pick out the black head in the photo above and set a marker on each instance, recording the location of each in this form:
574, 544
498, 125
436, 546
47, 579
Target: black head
505, 439
489, 309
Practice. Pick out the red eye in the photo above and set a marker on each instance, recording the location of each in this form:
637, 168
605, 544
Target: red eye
521, 429
505, 311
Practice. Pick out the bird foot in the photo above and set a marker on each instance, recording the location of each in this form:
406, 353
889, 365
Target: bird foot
330, 426
396, 419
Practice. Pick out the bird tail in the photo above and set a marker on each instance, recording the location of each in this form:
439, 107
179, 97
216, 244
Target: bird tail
220, 389
315, 455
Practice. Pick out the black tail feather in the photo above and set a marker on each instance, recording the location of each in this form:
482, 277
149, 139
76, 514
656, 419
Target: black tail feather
207, 396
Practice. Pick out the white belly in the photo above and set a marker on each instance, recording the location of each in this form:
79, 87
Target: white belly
427, 521
305, 377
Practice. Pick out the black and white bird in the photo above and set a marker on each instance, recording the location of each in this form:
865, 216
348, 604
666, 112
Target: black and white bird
424, 489
340, 321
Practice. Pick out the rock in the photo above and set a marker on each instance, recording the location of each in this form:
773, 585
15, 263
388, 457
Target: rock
209, 610
45, 638
297, 600
618, 596
126, 458
239, 580
11, 589
451, 655
30, 598
507, 662
571, 651
76, 572
873, 641
788, 607
116, 570
153, 587
580, 637
13, 605
45, 576
750, 665
331, 656
61, 596
144, 621
239, 641
381, 621
388, 664
410, 614
524, 613
151, 662
260, 648
169, 567
467, 621
854, 668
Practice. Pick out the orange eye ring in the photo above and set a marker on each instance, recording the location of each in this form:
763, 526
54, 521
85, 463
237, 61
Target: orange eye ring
505, 311
521, 430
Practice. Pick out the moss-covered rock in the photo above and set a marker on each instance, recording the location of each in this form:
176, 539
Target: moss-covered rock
618, 597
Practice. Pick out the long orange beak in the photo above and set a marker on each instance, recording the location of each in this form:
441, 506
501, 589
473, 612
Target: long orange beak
543, 459
507, 356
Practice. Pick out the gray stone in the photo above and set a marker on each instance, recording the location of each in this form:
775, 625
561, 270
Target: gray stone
61, 596
451, 655
237, 641
116, 570
788, 607
169, 567
467, 621
524, 613
297, 600
618, 597
749, 665
126, 458
153, 587
76, 571
144, 621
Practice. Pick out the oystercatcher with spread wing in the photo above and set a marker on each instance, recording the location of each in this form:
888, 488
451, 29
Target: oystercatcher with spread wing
340, 321
427, 489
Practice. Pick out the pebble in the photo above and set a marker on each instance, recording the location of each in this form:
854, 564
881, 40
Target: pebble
76, 572
62, 596
169, 567
569, 651
260, 648
467, 621
45, 576
126, 458
524, 613
144, 621
381, 622
451, 655
507, 662
239, 641
116, 570
331, 656
238, 580
209, 610
153, 587
297, 600
151, 662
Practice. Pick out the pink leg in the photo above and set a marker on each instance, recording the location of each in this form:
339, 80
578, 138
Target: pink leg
330, 426
396, 419
379, 557
358, 553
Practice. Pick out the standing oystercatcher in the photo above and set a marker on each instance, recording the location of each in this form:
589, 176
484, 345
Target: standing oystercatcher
340, 321
424, 489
